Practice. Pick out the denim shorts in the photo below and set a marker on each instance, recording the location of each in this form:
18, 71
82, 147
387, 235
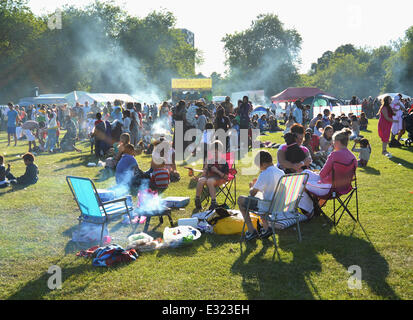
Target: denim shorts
11, 130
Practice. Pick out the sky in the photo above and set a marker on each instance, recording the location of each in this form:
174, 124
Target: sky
323, 24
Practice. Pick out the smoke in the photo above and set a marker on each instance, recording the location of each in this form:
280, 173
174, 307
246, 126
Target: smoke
161, 127
106, 66
274, 73
149, 202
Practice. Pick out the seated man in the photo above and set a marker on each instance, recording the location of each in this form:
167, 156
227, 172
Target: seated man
214, 174
266, 184
125, 168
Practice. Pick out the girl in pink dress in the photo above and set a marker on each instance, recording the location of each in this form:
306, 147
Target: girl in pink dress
385, 124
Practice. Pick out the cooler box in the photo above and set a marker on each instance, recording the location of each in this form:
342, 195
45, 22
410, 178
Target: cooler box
176, 202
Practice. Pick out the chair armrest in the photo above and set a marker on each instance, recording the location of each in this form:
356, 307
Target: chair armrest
114, 201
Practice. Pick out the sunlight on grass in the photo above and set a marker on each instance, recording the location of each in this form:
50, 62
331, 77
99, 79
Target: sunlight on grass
36, 225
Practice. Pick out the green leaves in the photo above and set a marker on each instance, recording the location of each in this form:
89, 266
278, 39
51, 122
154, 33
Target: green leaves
99, 48
265, 56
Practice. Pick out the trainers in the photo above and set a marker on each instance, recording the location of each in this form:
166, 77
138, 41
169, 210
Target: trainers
213, 205
266, 234
251, 236
198, 204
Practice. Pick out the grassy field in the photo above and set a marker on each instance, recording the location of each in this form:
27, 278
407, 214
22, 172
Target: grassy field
36, 224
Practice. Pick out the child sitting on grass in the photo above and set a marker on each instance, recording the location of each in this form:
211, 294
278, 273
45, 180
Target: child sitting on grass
4, 174
159, 177
31, 174
364, 150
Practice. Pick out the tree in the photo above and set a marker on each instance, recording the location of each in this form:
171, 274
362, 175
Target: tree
265, 56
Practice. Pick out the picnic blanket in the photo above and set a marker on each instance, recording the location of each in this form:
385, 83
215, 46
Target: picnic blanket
109, 255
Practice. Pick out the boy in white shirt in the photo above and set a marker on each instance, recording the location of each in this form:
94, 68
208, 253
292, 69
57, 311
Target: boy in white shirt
266, 184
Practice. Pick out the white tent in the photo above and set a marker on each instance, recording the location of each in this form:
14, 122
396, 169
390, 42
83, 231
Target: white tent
100, 98
392, 95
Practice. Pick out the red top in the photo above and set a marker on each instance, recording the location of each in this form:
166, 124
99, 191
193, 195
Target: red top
342, 156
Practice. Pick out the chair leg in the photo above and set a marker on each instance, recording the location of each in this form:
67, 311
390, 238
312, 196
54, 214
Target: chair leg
274, 238
242, 232
170, 220
101, 235
298, 230
148, 220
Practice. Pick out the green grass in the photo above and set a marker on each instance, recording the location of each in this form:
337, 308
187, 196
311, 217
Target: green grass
36, 225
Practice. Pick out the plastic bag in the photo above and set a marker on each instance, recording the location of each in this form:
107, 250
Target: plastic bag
179, 235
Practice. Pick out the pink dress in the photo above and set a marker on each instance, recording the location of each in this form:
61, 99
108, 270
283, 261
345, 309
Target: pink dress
384, 128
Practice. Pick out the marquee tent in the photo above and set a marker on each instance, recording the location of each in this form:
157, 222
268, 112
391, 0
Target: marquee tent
392, 95
293, 94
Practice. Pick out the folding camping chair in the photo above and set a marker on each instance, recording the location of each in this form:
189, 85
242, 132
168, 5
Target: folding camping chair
344, 184
284, 204
229, 188
92, 209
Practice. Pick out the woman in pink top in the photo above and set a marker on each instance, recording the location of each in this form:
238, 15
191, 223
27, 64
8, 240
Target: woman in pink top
385, 123
320, 184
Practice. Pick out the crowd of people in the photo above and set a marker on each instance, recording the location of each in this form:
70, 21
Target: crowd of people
118, 133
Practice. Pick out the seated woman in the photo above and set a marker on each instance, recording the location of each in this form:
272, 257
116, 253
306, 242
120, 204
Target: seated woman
320, 184
326, 140
318, 129
215, 173
288, 166
119, 149
293, 152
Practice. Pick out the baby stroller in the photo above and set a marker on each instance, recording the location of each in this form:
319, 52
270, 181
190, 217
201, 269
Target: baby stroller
409, 128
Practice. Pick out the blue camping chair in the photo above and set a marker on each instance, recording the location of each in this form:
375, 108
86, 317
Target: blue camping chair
92, 209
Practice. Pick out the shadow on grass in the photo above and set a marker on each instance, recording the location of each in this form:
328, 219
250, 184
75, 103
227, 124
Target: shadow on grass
369, 170
84, 160
13, 188
38, 289
404, 163
263, 278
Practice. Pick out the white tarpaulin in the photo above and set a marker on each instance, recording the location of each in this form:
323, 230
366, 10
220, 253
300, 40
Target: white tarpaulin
392, 95
257, 97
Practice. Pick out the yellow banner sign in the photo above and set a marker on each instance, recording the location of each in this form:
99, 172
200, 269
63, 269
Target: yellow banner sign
192, 83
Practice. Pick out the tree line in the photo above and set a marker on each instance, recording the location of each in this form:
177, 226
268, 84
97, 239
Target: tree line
101, 48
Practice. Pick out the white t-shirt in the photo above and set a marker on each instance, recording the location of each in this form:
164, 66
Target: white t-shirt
126, 125
266, 183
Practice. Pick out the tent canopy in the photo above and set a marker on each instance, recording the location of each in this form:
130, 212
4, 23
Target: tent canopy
100, 98
392, 95
43, 99
293, 94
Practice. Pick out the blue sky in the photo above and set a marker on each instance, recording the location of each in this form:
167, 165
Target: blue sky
323, 24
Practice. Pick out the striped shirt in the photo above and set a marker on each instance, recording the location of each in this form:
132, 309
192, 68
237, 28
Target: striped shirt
160, 178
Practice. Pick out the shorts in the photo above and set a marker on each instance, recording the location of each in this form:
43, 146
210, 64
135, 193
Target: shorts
29, 135
11, 130
251, 204
256, 204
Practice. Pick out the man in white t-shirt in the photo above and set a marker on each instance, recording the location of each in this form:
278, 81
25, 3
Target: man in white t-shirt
266, 184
